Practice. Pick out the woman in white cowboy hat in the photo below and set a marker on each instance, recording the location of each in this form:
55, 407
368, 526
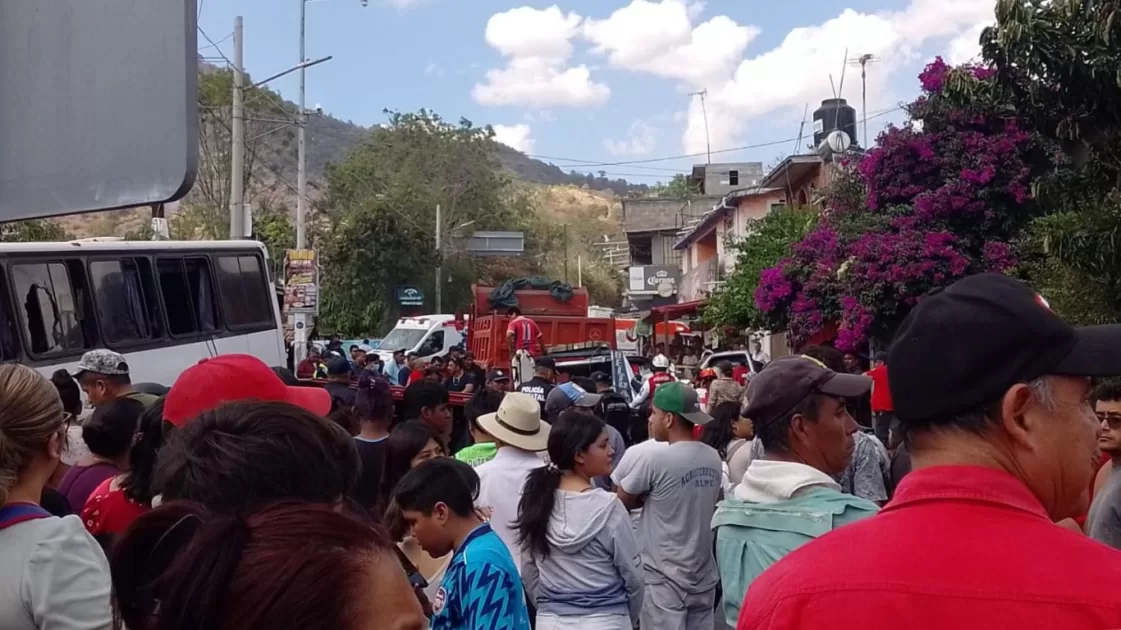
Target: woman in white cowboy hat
520, 434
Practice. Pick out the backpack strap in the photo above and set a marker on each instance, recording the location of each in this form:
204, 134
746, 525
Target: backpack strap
15, 513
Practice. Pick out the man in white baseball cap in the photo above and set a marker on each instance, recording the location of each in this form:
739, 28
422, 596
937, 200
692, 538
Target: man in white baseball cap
660, 366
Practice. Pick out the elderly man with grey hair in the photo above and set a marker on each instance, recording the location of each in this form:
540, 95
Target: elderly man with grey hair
992, 391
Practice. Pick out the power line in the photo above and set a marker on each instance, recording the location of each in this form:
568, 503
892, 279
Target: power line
215, 44
759, 145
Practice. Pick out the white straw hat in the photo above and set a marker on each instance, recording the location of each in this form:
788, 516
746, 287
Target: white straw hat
518, 423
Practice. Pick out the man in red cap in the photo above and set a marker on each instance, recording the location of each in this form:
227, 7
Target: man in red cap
234, 377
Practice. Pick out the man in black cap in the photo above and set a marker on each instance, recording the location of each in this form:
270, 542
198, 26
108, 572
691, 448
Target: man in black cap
991, 390
338, 384
799, 409
498, 380
543, 381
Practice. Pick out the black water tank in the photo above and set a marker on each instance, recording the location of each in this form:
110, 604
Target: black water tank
834, 113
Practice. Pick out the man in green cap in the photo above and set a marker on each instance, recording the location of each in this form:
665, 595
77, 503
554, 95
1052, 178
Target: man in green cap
677, 486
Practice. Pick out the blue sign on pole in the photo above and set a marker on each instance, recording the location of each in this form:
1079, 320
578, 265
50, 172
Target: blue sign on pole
410, 296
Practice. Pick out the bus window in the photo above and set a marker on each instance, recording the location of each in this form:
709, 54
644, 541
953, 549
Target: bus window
126, 302
52, 318
244, 293
9, 348
188, 295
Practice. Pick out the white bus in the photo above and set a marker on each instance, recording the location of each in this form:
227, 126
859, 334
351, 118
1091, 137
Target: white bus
164, 305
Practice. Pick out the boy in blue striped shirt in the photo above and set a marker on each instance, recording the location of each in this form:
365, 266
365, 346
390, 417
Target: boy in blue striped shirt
481, 589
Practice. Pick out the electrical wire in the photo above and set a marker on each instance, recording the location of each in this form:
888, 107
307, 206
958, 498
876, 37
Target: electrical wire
746, 147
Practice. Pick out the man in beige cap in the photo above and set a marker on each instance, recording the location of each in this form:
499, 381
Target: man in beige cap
520, 434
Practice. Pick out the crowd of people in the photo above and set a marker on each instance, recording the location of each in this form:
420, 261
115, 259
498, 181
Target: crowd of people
240, 498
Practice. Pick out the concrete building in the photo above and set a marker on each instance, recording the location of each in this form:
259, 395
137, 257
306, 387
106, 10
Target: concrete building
705, 246
705, 243
653, 226
721, 179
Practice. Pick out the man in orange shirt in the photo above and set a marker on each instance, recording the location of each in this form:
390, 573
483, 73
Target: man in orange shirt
883, 412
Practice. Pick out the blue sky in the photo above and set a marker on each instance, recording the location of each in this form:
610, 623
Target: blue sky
604, 81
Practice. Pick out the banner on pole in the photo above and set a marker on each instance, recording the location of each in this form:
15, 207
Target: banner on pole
301, 281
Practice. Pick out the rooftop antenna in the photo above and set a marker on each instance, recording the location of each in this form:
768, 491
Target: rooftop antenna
708, 147
863, 61
802, 128
841, 88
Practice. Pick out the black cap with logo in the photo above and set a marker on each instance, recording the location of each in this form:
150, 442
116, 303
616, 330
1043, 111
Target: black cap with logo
962, 347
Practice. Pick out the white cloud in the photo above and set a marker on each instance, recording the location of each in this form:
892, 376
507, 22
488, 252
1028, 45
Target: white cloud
542, 115
659, 38
798, 70
538, 46
516, 137
434, 70
640, 141
966, 47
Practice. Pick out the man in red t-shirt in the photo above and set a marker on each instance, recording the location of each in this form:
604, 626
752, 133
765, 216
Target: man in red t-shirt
883, 411
523, 333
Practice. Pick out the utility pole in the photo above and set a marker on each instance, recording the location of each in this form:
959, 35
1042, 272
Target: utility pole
237, 129
863, 61
704, 111
439, 265
301, 151
300, 320
566, 253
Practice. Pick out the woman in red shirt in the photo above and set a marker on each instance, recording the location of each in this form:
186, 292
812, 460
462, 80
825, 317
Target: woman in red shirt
120, 500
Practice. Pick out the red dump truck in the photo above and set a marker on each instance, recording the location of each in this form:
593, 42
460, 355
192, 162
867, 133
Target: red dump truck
563, 324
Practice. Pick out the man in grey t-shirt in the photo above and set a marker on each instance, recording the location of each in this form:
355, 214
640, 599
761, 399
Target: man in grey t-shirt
1103, 523
678, 487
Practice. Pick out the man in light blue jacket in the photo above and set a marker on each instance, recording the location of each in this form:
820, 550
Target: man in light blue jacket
789, 497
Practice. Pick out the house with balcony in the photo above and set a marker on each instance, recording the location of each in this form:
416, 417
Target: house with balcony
705, 243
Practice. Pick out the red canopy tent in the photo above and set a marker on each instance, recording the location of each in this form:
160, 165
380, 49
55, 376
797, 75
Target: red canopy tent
663, 315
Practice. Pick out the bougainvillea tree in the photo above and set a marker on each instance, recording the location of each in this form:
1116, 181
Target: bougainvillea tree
945, 196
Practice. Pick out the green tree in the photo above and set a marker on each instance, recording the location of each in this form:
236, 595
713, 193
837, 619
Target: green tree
1057, 67
379, 217
32, 230
679, 187
768, 241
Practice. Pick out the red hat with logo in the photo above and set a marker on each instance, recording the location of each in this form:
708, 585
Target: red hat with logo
233, 378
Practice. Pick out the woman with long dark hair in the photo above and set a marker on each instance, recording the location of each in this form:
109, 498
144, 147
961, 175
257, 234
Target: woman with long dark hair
122, 499
581, 567
288, 565
74, 449
410, 444
726, 434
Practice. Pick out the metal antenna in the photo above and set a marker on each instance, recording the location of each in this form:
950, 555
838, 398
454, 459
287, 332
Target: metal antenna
704, 111
863, 61
801, 128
